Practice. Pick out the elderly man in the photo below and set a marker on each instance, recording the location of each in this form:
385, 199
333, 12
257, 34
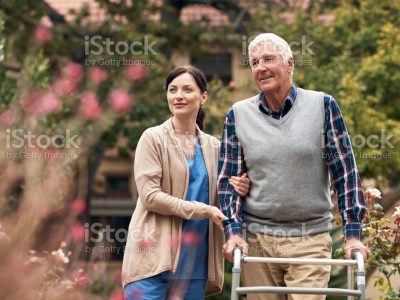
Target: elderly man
276, 138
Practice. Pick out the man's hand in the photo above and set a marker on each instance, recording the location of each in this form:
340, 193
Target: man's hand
233, 242
355, 244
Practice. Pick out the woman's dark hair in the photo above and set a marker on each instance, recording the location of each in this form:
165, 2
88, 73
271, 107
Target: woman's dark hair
201, 82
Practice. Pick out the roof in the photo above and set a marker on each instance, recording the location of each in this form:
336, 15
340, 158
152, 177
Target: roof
190, 13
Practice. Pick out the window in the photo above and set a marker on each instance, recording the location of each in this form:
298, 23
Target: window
215, 65
117, 186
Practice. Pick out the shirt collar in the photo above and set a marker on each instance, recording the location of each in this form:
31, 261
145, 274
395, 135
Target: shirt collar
287, 104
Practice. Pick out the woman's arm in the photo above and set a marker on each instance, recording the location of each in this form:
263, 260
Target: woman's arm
148, 174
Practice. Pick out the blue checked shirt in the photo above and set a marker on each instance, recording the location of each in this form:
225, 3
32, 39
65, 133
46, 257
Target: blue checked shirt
339, 159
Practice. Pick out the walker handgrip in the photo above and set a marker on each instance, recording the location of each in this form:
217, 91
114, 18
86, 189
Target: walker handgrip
354, 253
237, 247
357, 255
237, 257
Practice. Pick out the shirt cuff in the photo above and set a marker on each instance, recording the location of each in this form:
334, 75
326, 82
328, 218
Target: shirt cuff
232, 228
352, 230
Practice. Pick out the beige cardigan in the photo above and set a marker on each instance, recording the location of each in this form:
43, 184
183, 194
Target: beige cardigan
162, 178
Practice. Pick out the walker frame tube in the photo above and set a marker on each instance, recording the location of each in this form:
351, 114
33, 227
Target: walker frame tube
350, 292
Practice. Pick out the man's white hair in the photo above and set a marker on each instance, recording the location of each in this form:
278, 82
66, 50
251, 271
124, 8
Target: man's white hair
278, 43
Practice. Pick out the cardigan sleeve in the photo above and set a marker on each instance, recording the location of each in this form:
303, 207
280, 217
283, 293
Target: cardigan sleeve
148, 174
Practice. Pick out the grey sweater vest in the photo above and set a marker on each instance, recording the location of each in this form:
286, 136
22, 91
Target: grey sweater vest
289, 193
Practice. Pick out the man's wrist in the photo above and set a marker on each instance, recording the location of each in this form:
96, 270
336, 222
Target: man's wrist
231, 229
351, 238
352, 230
235, 236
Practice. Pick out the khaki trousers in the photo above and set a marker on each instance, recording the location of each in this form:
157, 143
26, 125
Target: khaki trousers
261, 274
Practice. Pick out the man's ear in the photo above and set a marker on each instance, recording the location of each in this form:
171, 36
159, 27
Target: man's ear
291, 65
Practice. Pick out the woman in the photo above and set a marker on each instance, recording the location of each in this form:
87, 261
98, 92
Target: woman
173, 251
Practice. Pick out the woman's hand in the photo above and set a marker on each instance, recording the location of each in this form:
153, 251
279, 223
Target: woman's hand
217, 217
240, 184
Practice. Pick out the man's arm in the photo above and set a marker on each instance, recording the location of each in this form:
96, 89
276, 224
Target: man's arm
343, 169
345, 177
230, 163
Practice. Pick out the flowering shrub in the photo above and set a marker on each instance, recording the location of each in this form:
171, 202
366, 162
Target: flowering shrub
48, 131
383, 239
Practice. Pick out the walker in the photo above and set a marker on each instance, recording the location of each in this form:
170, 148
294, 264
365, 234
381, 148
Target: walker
357, 262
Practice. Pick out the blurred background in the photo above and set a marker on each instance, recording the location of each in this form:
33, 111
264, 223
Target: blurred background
80, 80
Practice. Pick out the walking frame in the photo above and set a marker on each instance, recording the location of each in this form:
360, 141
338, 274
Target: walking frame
357, 262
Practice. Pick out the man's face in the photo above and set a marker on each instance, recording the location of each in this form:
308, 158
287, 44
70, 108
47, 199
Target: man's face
270, 73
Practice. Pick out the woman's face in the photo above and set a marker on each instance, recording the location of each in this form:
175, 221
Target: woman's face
184, 96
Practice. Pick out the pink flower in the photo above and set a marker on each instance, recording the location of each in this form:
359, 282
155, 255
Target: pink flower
117, 296
39, 103
231, 86
375, 193
90, 106
136, 72
370, 195
73, 71
49, 103
30, 101
120, 101
396, 216
97, 75
81, 278
64, 86
42, 34
78, 206
77, 232
7, 117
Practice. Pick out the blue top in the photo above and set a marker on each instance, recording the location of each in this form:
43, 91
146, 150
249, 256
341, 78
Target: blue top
193, 259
